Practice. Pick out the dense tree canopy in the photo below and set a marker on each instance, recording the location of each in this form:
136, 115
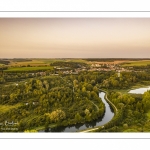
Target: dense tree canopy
45, 100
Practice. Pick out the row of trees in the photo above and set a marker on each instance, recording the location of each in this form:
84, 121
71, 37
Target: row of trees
71, 65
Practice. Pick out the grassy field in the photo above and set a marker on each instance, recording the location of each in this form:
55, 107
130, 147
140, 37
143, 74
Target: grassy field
136, 63
78, 60
40, 62
5, 108
33, 62
49, 61
140, 85
136, 86
1, 64
28, 69
45, 62
123, 91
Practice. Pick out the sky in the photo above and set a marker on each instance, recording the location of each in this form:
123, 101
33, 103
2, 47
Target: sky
74, 37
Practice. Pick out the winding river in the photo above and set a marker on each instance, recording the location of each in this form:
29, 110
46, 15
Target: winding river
108, 115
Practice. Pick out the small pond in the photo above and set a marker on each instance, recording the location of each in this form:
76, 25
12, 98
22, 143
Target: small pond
139, 90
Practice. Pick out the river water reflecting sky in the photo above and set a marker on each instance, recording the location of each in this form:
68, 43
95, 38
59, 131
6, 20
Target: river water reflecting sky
100, 121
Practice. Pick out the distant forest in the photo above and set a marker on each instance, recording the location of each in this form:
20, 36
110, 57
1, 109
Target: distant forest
5, 62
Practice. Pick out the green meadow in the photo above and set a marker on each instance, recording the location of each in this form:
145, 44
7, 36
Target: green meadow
28, 69
136, 63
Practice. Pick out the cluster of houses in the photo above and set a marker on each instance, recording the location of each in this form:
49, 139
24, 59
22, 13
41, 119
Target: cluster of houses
93, 67
106, 67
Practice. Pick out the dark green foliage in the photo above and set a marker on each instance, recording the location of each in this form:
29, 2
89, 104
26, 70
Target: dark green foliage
131, 113
69, 64
59, 99
52, 99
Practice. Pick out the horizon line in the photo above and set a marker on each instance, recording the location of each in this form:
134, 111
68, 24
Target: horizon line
78, 58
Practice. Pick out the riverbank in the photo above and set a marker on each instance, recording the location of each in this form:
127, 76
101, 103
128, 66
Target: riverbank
103, 126
114, 107
93, 129
92, 125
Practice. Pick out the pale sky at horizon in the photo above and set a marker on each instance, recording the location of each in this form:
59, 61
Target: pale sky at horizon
75, 38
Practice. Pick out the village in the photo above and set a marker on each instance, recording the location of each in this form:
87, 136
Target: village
93, 67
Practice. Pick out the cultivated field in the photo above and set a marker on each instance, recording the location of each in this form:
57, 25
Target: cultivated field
136, 63
26, 63
28, 69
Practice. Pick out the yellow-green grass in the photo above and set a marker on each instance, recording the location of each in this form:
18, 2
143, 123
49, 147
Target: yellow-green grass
5, 108
25, 63
145, 84
78, 60
28, 69
136, 86
2, 65
35, 62
42, 62
136, 63
49, 61
63, 60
